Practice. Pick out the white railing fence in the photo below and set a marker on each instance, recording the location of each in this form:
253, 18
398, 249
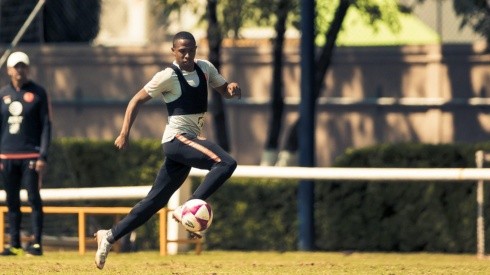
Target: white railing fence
479, 175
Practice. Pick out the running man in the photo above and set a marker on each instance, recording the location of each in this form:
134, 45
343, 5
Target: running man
184, 88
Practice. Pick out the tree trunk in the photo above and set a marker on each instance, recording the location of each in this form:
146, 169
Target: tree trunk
217, 109
288, 156
269, 156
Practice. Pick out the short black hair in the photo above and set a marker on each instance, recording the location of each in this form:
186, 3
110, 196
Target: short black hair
183, 35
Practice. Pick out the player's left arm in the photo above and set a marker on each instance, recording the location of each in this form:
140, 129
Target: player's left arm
218, 82
230, 90
45, 116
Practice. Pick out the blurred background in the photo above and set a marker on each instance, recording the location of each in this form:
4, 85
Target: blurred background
395, 70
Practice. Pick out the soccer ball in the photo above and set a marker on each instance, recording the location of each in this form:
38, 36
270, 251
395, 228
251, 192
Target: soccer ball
196, 215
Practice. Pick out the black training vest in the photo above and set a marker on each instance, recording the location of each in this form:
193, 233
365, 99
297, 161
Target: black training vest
194, 100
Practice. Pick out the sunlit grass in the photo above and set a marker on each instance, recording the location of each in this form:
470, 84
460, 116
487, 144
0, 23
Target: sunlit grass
224, 262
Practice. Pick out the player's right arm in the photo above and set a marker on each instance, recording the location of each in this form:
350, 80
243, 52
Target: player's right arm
131, 111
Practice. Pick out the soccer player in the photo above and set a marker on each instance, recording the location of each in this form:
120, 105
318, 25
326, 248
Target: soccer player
184, 88
25, 135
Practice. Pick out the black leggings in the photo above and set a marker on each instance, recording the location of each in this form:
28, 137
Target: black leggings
181, 154
17, 174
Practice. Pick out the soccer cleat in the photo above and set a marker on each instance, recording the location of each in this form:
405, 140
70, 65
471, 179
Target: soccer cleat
35, 250
195, 235
103, 248
12, 251
177, 216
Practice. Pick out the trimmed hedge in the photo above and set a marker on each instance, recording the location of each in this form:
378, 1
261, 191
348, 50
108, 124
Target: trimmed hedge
399, 216
254, 215
361, 216
93, 163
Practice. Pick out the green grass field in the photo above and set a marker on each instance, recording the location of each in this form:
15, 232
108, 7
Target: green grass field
224, 262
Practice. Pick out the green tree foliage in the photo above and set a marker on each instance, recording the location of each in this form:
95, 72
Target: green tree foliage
230, 13
283, 13
475, 13
71, 21
328, 21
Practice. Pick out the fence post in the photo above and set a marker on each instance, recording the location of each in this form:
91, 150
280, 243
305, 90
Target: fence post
480, 157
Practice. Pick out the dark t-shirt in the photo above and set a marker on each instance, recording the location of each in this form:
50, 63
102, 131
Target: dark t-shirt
25, 123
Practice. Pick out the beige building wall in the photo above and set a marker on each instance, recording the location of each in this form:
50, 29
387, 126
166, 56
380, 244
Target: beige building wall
371, 95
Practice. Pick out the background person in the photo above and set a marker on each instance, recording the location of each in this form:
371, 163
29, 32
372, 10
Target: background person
183, 87
25, 135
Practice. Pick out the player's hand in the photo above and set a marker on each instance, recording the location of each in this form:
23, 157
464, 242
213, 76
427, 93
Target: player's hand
121, 142
234, 90
41, 166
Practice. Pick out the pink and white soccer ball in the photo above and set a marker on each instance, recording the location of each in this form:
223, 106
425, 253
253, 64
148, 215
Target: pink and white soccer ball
196, 215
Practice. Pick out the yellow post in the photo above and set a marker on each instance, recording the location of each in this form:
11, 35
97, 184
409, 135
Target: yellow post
163, 232
81, 232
